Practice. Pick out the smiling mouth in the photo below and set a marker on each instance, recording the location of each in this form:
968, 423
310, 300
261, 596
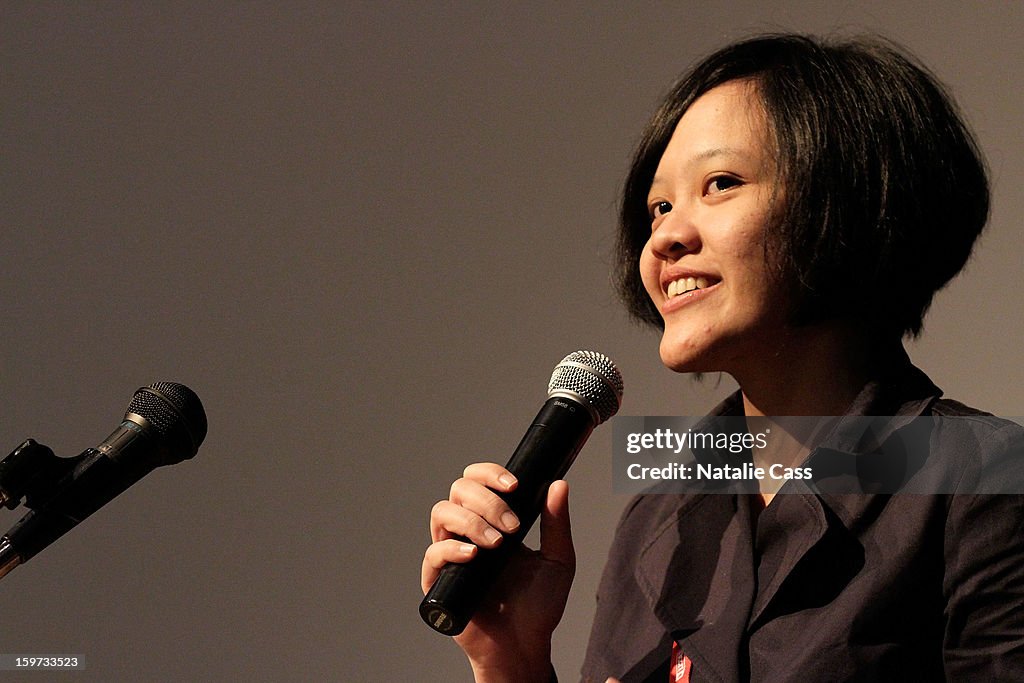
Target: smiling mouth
684, 285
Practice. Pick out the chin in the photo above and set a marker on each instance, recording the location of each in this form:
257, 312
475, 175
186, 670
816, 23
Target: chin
698, 350
677, 358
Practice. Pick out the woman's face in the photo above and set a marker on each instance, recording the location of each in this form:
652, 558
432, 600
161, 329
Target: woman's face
704, 265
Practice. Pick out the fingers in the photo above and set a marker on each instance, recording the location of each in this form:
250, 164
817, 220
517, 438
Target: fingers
474, 513
491, 474
450, 520
555, 528
441, 553
473, 509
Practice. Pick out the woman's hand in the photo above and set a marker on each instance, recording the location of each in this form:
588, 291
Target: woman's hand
509, 638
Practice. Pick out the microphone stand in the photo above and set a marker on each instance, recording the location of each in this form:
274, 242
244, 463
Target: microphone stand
9, 557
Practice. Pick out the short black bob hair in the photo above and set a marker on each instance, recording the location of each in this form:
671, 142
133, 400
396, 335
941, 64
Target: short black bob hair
884, 189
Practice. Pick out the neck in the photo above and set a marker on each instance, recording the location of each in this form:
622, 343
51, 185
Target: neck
815, 370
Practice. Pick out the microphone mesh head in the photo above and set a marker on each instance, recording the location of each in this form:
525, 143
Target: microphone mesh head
174, 411
594, 377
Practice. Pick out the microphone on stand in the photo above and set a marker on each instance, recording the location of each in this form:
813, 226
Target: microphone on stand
165, 423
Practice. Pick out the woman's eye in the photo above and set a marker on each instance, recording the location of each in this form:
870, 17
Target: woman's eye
721, 183
659, 209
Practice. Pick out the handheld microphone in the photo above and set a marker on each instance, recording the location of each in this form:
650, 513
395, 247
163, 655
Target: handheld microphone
584, 391
165, 423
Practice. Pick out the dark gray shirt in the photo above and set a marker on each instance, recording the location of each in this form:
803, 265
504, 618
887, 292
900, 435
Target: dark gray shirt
827, 587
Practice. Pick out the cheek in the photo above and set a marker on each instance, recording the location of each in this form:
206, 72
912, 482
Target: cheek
650, 272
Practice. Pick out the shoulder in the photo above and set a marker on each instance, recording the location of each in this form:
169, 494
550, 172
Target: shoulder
983, 544
989, 449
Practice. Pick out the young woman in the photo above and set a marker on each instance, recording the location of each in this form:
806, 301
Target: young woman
791, 210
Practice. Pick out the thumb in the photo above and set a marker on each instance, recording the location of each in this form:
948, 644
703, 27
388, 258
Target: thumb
555, 529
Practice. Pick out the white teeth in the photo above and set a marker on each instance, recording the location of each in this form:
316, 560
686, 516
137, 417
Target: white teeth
686, 284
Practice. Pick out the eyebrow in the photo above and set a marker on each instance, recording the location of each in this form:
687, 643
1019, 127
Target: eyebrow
716, 152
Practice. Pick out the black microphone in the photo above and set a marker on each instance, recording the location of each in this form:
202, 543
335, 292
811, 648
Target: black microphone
584, 391
165, 423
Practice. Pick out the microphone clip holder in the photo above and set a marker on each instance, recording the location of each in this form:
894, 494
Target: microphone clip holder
32, 471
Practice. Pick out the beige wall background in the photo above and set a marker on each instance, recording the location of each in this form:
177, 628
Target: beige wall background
364, 234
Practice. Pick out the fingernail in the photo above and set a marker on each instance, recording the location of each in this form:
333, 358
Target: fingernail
507, 480
510, 521
466, 549
492, 536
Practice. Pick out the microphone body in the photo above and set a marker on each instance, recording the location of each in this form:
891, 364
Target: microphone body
544, 455
165, 423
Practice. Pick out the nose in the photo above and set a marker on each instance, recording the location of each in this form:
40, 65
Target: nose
674, 236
